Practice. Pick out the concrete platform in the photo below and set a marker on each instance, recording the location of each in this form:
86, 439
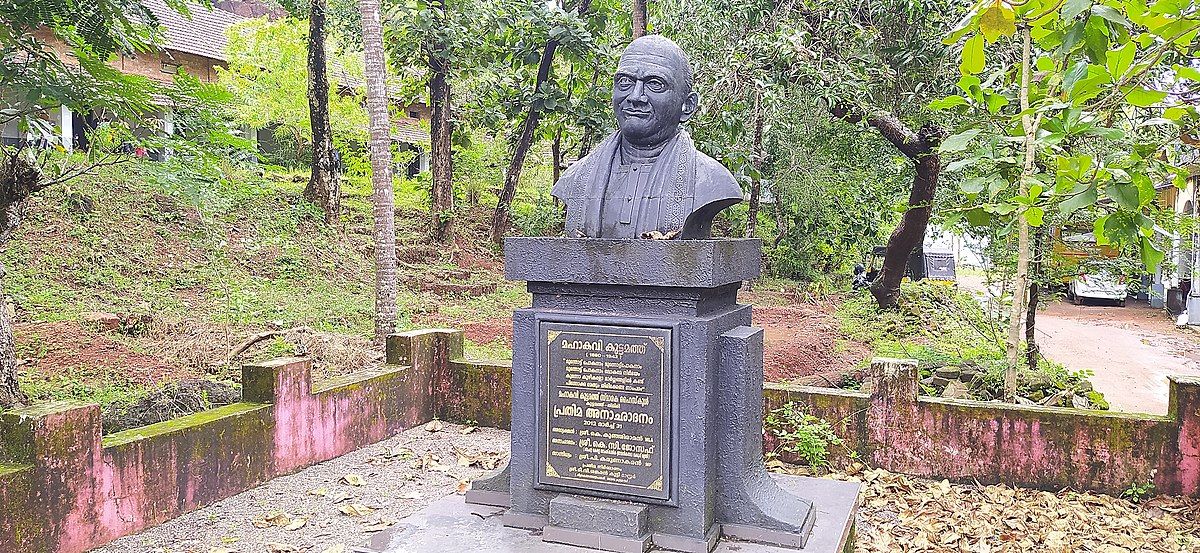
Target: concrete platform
449, 525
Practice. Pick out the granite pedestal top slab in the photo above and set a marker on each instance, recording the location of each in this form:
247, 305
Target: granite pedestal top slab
673, 263
450, 525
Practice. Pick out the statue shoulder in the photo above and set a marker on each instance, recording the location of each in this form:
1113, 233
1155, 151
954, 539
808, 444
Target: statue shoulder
562, 189
713, 181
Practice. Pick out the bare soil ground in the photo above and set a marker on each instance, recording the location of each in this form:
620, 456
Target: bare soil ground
308, 511
1131, 349
803, 343
802, 340
70, 349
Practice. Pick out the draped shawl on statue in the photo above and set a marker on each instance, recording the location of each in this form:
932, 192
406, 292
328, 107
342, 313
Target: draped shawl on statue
664, 205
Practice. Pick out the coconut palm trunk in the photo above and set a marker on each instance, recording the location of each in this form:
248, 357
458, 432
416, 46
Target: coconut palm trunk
381, 170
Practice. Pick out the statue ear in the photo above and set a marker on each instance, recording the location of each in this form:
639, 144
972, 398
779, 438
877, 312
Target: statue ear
689, 106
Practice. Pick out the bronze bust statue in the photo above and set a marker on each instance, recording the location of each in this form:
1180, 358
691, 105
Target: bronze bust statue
647, 180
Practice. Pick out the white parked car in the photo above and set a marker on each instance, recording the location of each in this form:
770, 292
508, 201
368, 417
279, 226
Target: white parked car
1101, 285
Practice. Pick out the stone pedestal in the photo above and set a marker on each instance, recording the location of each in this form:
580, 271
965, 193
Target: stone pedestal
638, 379
451, 526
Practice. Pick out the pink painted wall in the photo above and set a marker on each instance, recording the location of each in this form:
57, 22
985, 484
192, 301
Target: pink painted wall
65, 489
1041, 447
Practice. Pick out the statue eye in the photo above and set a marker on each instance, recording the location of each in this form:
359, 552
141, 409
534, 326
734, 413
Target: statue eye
624, 82
656, 85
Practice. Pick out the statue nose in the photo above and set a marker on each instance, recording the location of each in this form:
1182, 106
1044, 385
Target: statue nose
639, 92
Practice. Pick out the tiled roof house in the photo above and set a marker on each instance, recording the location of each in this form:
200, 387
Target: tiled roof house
197, 45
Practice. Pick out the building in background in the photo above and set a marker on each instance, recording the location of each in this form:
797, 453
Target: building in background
197, 46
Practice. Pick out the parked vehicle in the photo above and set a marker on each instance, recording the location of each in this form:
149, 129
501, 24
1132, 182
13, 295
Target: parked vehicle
921, 265
1090, 277
1100, 284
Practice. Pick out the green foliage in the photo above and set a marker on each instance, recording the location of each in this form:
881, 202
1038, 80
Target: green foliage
107, 390
830, 200
934, 323
1102, 119
941, 326
838, 189
802, 434
268, 74
1137, 492
540, 218
231, 247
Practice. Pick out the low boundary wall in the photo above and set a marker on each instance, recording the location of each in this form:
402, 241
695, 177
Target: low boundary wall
990, 442
65, 488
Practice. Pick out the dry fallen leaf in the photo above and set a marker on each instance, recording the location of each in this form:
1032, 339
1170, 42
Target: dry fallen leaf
411, 495
463, 487
336, 548
401, 452
434, 426
382, 523
272, 518
355, 509
321, 492
221, 550
273, 547
297, 523
468, 429
915, 515
354, 480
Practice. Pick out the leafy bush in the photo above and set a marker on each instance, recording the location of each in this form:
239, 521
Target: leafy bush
541, 218
935, 323
939, 326
802, 434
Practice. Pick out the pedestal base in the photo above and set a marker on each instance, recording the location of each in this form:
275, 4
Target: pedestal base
452, 526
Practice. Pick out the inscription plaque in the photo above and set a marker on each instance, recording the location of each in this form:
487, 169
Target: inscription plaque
605, 404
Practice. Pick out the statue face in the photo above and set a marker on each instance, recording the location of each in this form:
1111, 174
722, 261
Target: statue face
650, 96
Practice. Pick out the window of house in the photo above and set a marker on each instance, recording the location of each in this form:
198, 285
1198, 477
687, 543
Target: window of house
414, 114
170, 68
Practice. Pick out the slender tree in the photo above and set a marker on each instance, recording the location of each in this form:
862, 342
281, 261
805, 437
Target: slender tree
441, 125
1093, 119
1036, 274
757, 165
500, 218
375, 69
639, 17
323, 188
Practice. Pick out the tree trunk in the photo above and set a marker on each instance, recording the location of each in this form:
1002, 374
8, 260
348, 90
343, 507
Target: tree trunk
781, 221
323, 188
1020, 280
19, 179
1032, 351
441, 154
381, 170
556, 156
500, 219
639, 17
756, 182
10, 392
921, 149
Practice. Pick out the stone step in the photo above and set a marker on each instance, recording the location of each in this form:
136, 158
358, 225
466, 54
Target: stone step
598, 523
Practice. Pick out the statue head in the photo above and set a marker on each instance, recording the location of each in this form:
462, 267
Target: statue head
652, 91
